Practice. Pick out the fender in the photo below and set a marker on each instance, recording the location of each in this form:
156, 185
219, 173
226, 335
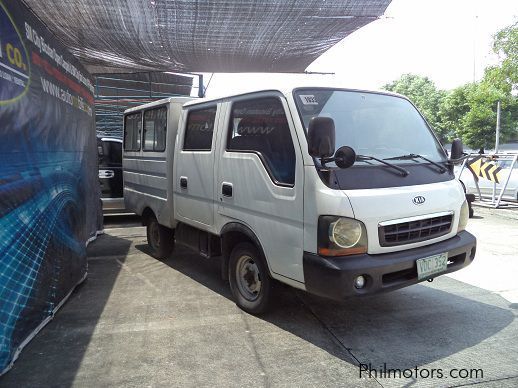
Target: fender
243, 229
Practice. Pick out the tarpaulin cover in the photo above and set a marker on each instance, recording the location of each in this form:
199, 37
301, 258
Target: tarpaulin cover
49, 189
203, 35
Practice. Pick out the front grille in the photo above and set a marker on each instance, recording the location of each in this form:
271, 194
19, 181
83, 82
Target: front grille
414, 230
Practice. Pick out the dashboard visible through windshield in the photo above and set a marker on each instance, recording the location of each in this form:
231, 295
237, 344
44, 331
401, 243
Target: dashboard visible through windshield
379, 125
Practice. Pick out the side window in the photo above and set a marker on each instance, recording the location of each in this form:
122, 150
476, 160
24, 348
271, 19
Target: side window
199, 130
155, 129
132, 131
261, 126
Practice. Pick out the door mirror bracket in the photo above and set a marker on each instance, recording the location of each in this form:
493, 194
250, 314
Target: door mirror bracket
344, 157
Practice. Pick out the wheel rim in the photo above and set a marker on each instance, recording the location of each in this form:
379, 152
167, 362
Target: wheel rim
154, 235
248, 278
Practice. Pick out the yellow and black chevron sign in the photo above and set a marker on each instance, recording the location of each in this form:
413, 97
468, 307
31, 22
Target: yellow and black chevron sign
484, 169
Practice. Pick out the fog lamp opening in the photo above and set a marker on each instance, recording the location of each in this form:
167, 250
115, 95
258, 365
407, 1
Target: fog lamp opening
359, 282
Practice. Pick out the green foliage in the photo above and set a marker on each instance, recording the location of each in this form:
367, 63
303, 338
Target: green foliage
469, 111
506, 46
454, 106
423, 93
479, 124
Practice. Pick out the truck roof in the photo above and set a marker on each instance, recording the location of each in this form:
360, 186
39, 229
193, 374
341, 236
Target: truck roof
285, 88
163, 101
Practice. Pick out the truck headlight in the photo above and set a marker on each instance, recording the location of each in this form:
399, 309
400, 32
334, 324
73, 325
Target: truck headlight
463, 217
340, 236
345, 232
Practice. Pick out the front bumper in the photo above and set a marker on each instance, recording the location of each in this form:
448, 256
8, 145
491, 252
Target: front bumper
333, 277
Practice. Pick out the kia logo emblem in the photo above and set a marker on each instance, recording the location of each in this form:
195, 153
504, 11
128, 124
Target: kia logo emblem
419, 200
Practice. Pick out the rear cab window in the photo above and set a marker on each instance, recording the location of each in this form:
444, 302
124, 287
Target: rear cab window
155, 129
132, 131
199, 129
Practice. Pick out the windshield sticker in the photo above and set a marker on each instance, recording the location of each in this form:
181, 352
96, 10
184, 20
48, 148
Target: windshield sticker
308, 99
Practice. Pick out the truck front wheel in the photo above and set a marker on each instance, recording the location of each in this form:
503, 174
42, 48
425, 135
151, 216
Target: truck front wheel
159, 238
250, 282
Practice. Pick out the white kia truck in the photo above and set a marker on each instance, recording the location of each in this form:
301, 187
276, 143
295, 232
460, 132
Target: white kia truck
337, 192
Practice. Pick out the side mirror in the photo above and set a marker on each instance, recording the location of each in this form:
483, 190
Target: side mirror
321, 137
345, 157
457, 150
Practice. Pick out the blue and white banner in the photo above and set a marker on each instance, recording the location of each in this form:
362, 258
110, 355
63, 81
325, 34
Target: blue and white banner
49, 190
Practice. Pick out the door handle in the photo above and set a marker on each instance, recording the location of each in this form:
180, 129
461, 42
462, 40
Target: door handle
183, 182
226, 189
106, 174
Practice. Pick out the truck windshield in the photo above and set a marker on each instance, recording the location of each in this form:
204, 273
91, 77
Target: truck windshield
372, 124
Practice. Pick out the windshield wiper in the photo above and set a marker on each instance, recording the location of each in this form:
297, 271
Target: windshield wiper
362, 158
442, 169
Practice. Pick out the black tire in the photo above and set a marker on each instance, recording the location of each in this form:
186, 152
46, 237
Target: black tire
159, 238
250, 281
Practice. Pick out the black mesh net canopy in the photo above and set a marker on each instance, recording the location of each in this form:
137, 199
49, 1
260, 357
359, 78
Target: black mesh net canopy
203, 35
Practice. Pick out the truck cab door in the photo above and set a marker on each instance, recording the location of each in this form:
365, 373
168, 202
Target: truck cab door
260, 178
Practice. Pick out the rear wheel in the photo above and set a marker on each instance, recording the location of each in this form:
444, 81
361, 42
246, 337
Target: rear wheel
159, 238
249, 279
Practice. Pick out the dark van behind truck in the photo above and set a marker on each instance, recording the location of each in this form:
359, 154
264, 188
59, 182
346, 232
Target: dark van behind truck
110, 174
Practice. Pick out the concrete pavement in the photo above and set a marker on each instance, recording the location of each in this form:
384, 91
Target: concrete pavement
138, 321
496, 266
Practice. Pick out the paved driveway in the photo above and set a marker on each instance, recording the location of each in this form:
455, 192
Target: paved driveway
138, 321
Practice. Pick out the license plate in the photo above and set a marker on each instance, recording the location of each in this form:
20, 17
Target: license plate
428, 266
